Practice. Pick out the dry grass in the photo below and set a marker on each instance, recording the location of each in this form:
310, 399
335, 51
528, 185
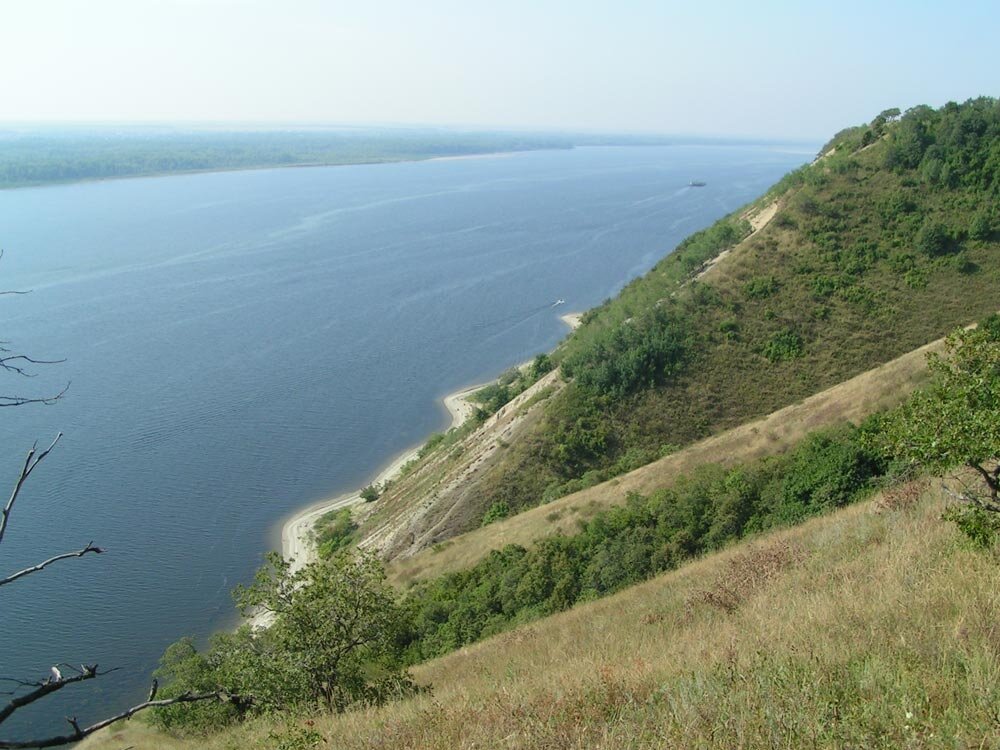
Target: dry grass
747, 573
856, 630
852, 401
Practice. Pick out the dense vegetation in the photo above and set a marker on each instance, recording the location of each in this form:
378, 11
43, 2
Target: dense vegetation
330, 641
626, 545
882, 245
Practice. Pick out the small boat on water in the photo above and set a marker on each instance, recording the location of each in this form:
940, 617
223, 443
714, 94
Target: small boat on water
697, 183
559, 302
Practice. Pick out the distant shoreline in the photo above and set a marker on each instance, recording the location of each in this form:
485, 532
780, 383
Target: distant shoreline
263, 167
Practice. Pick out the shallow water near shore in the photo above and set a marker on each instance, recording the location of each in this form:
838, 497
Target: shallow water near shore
244, 344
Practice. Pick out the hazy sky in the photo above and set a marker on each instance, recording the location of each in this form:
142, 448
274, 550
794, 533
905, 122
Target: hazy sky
770, 68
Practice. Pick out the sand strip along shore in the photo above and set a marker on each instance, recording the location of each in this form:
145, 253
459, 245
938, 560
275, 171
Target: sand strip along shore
296, 533
573, 320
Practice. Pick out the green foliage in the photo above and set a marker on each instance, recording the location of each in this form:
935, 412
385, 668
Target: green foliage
955, 421
933, 238
990, 326
541, 365
182, 668
663, 363
981, 227
370, 493
497, 512
294, 737
760, 287
332, 643
624, 545
980, 526
334, 531
638, 353
511, 384
785, 344
34, 159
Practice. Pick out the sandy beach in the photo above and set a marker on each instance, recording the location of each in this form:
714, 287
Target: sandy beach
296, 533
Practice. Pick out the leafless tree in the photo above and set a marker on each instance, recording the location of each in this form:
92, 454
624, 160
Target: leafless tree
23, 692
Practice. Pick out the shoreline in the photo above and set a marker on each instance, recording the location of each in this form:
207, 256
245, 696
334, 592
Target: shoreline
263, 167
296, 530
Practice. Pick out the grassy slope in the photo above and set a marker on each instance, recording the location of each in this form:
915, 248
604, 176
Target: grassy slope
850, 401
858, 629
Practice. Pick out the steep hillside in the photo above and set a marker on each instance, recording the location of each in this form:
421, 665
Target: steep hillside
850, 401
884, 243
872, 627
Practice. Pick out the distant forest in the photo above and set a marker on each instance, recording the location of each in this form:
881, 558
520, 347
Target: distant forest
43, 155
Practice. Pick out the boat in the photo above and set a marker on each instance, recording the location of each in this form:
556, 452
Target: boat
559, 302
697, 183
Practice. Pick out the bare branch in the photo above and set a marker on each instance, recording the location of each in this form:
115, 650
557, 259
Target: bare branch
65, 555
89, 672
6, 363
30, 462
79, 732
22, 400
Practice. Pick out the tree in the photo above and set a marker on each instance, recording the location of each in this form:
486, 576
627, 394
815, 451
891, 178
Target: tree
331, 641
955, 421
26, 691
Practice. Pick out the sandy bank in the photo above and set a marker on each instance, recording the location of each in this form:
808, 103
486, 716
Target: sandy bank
296, 533
573, 320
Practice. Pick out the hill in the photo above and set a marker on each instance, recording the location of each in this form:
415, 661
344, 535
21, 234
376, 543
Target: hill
884, 243
872, 627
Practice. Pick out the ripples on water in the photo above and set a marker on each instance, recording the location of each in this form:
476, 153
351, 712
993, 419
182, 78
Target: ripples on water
241, 344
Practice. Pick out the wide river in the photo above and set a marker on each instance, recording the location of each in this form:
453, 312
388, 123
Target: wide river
242, 344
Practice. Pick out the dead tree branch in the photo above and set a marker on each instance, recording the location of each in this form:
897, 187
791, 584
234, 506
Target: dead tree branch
31, 461
45, 563
89, 672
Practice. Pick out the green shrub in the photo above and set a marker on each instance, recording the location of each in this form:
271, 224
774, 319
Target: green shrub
496, 512
979, 526
933, 238
334, 531
783, 345
760, 287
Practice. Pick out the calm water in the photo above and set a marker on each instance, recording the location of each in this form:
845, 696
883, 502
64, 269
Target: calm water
242, 344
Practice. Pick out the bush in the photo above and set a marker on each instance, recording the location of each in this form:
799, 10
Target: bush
624, 545
783, 345
981, 227
760, 287
979, 526
496, 512
933, 238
